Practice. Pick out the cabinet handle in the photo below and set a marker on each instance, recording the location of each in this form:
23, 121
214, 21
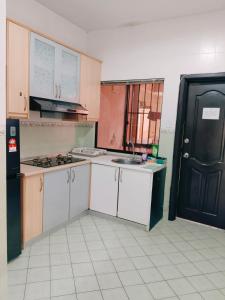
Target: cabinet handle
60, 91
74, 176
56, 90
121, 174
25, 103
41, 184
68, 176
115, 174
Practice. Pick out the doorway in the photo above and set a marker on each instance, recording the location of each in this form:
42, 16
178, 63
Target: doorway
198, 180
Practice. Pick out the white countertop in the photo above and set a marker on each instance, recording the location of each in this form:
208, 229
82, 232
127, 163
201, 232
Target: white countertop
151, 168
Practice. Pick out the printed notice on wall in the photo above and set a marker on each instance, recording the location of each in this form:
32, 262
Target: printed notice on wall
211, 113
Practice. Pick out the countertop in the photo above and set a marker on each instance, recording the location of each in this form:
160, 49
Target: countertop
151, 168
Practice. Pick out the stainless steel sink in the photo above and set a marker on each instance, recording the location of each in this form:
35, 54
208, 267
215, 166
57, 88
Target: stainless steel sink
127, 161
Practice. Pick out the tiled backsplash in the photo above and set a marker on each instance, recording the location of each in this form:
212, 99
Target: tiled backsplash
42, 140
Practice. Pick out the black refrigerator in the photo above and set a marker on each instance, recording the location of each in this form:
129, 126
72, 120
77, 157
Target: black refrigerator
13, 188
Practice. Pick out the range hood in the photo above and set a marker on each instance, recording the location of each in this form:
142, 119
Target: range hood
56, 107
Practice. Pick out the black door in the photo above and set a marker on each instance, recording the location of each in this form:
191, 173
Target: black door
201, 190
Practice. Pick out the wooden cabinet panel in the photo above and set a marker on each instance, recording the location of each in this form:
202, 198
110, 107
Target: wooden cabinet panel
90, 78
134, 202
32, 206
17, 71
104, 189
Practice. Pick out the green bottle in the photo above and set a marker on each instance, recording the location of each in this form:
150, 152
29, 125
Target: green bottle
155, 150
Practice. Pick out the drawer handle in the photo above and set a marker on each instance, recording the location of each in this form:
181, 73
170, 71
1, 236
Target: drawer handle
25, 103
41, 184
68, 176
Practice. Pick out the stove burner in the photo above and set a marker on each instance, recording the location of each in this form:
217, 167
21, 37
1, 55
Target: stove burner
47, 162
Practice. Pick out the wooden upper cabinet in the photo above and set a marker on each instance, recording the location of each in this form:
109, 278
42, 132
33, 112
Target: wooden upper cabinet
90, 78
17, 71
32, 206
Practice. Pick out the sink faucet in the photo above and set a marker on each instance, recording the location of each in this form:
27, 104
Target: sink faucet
132, 144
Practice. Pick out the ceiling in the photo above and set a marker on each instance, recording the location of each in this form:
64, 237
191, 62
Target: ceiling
105, 14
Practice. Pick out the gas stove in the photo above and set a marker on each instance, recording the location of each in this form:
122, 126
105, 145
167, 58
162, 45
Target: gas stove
53, 161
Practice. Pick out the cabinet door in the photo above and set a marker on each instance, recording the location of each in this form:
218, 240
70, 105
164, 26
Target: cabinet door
79, 190
135, 190
43, 58
56, 198
104, 189
17, 71
90, 79
32, 206
69, 75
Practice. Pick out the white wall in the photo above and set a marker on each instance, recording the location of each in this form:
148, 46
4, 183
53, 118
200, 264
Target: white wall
3, 266
44, 20
164, 49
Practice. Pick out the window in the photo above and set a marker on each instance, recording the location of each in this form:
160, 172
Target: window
130, 112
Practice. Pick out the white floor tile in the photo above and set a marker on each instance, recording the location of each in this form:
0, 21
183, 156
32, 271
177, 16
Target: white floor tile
108, 281
218, 279
16, 292
18, 263
103, 267
65, 297
17, 277
123, 264
62, 287
194, 296
39, 250
134, 251
38, 274
80, 257
117, 253
86, 284
115, 294
150, 275
60, 259
90, 296
181, 286
170, 272
188, 269
83, 269
201, 283
61, 272
142, 262
139, 292
39, 261
130, 278
212, 295
160, 260
59, 248
160, 290
98, 255
37, 290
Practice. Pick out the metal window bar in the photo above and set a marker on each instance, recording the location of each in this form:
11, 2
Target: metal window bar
135, 114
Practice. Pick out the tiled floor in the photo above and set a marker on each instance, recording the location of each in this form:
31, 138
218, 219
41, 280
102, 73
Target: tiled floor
96, 258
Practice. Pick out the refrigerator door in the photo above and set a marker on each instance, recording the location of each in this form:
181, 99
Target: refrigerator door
13, 217
12, 147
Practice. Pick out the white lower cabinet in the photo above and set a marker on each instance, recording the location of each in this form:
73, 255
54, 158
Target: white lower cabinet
66, 195
135, 190
56, 198
104, 189
79, 190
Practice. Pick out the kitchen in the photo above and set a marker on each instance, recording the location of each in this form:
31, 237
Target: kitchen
98, 244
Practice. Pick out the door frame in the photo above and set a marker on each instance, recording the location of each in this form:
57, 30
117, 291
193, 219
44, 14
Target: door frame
185, 80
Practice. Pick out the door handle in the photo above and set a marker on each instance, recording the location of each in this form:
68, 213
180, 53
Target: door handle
74, 176
186, 155
186, 141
